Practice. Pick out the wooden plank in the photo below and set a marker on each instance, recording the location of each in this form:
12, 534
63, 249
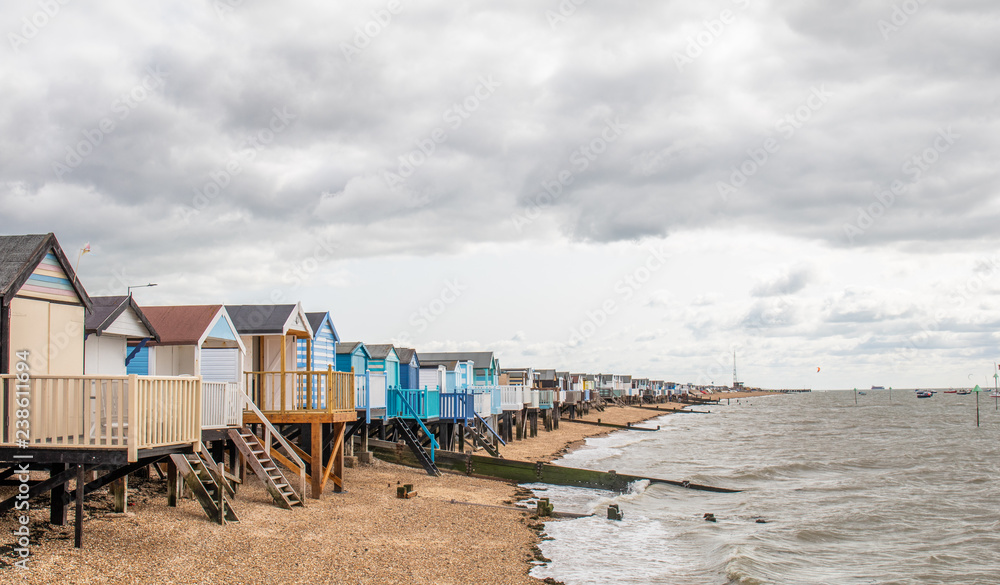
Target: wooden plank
316, 460
80, 482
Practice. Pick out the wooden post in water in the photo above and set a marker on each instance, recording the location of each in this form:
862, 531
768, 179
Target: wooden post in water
977, 408
855, 397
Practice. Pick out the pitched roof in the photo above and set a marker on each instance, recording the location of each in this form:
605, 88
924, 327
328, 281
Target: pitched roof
261, 319
107, 309
448, 364
407, 355
182, 325
19, 255
380, 351
480, 359
316, 321
349, 347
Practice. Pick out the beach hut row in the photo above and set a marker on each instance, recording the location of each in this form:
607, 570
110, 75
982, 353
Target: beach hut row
97, 388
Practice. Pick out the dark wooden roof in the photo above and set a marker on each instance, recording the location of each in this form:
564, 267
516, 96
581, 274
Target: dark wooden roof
349, 347
19, 255
107, 309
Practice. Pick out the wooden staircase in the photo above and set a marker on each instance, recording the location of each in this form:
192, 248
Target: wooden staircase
482, 441
418, 450
265, 468
200, 473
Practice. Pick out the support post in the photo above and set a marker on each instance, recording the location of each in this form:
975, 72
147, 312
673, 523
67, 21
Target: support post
58, 513
80, 483
172, 483
316, 459
119, 488
338, 457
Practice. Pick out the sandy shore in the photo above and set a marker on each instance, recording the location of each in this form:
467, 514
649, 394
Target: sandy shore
366, 535
363, 536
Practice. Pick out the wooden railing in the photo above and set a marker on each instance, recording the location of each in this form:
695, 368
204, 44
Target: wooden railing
512, 397
302, 391
101, 412
221, 405
545, 398
573, 396
458, 405
270, 435
424, 403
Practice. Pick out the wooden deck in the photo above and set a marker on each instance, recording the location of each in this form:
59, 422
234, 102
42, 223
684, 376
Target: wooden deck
131, 414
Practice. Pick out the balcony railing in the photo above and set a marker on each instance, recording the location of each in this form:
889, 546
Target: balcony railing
545, 398
221, 405
458, 406
424, 404
101, 412
303, 391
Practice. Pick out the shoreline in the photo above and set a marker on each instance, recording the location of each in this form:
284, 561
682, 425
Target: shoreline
458, 529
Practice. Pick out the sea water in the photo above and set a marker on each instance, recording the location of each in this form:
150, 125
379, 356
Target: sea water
905, 490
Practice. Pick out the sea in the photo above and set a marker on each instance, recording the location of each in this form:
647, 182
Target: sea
879, 488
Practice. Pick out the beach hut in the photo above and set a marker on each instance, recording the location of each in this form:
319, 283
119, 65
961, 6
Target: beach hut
319, 403
114, 322
409, 367
323, 345
197, 340
384, 360
76, 424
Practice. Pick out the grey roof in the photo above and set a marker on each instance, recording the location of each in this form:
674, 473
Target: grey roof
349, 347
407, 355
480, 359
448, 364
546, 374
19, 255
380, 351
260, 319
316, 321
107, 309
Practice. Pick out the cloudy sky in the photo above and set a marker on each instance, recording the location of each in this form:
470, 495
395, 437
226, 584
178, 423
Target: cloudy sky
637, 187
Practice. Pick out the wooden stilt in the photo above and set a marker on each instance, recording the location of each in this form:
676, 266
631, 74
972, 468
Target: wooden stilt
316, 459
80, 483
119, 488
57, 505
172, 483
338, 457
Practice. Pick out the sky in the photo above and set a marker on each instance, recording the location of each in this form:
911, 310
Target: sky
640, 188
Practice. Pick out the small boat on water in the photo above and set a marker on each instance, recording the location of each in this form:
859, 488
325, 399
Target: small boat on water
878, 387
924, 394
951, 392
862, 393
963, 392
